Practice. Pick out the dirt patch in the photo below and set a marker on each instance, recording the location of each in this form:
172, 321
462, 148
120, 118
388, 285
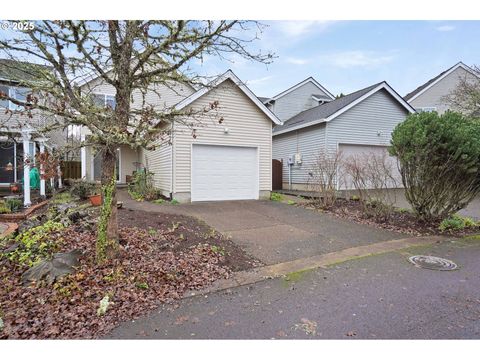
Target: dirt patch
401, 221
182, 232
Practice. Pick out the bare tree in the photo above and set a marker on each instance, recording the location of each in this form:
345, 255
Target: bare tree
324, 176
465, 98
373, 177
131, 56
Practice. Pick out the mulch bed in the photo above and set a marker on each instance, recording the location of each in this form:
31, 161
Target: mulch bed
400, 221
161, 257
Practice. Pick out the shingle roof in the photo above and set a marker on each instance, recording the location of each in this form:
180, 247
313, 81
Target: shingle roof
18, 71
323, 111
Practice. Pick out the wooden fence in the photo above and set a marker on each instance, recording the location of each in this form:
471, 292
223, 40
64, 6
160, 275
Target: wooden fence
71, 169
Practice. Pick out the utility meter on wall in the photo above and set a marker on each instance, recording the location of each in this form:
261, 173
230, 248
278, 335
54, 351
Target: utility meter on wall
298, 158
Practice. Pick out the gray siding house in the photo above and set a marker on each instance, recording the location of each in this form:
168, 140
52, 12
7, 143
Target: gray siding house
430, 96
302, 96
356, 123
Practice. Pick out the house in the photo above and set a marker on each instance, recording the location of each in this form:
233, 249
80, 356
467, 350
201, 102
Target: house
357, 123
430, 96
302, 96
20, 136
230, 160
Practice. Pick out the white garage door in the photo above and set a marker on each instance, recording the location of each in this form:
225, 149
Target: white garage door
224, 173
363, 152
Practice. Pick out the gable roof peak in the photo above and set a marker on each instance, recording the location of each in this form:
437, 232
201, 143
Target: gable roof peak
427, 85
301, 83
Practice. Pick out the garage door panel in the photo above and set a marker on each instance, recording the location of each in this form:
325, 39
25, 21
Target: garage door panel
354, 150
224, 173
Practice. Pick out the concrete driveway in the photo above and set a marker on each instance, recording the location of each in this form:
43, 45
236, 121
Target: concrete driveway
275, 232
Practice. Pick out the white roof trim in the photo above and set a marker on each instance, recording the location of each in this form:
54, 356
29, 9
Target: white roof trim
383, 85
455, 67
300, 126
310, 79
228, 75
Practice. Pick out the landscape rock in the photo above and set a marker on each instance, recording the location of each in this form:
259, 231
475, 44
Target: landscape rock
49, 270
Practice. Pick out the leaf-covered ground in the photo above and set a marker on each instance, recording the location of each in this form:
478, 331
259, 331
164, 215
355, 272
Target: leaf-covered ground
160, 259
401, 221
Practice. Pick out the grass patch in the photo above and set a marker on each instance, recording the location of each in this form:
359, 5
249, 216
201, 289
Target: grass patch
276, 196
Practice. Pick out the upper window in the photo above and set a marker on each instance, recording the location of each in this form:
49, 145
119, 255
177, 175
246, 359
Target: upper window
6, 91
18, 93
427, 109
104, 100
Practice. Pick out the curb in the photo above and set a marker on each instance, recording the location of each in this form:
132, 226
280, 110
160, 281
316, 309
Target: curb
253, 276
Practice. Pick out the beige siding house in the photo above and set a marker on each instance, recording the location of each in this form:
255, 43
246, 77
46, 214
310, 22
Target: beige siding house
208, 159
430, 96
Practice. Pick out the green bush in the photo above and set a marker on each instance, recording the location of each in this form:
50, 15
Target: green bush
457, 222
4, 208
141, 187
14, 204
82, 189
276, 196
439, 158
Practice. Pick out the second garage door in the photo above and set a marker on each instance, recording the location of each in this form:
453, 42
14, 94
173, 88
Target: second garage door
224, 173
354, 150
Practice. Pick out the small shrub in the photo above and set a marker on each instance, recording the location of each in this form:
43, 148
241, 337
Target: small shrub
174, 202
159, 201
142, 186
14, 204
276, 196
457, 222
291, 202
4, 208
82, 189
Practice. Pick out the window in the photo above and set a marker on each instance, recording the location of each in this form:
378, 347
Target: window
20, 94
103, 100
6, 91
427, 109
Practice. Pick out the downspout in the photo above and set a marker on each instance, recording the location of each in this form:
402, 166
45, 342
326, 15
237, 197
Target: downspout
172, 167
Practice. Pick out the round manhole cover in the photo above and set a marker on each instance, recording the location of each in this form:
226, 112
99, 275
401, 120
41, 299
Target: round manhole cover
432, 263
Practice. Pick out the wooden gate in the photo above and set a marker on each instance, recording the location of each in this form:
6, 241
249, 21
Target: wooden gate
277, 171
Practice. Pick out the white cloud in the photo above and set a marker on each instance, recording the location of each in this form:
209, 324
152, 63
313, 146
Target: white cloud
356, 58
445, 28
259, 80
297, 61
298, 28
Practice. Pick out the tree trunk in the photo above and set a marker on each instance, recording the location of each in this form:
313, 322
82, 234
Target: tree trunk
107, 236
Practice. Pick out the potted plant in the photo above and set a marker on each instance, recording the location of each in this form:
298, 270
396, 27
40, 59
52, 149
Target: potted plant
95, 199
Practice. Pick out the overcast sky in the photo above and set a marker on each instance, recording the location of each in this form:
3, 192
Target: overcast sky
345, 56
